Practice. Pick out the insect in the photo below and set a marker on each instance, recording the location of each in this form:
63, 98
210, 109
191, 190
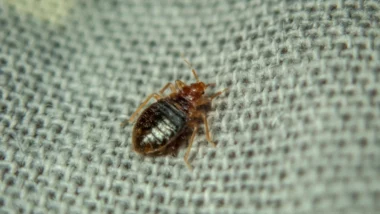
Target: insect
161, 124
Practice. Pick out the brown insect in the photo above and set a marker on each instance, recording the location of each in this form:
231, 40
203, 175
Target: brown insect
160, 125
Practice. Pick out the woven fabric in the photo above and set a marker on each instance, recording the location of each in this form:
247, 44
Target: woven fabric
298, 131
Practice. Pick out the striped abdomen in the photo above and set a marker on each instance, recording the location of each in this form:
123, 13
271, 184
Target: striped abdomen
158, 125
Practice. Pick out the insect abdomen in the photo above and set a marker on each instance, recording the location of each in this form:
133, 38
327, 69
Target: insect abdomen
157, 126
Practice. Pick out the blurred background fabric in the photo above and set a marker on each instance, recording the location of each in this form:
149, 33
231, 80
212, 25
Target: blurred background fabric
298, 132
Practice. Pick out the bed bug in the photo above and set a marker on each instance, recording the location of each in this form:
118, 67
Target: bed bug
161, 124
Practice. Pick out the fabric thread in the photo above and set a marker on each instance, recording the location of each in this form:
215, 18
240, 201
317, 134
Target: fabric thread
296, 133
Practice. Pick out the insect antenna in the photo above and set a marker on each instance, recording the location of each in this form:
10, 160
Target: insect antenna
191, 67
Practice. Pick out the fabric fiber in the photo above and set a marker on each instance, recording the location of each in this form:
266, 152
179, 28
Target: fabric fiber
297, 132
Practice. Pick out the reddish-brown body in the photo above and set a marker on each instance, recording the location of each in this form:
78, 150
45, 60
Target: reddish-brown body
161, 124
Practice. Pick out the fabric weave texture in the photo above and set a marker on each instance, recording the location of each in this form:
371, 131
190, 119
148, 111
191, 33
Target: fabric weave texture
298, 131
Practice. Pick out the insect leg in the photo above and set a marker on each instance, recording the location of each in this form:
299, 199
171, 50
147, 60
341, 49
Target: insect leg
155, 95
208, 135
206, 100
170, 85
186, 157
179, 84
218, 93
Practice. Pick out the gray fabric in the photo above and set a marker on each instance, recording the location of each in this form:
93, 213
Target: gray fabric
296, 133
